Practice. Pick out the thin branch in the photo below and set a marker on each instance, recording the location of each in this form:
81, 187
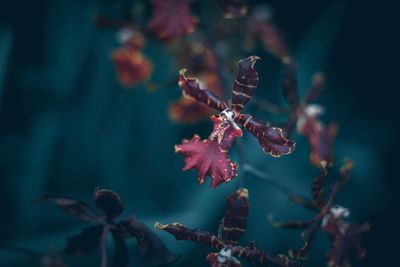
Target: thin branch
293, 197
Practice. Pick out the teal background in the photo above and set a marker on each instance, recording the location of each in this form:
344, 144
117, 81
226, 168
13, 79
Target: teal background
66, 127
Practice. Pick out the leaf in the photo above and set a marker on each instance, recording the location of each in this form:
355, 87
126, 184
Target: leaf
191, 88
233, 9
108, 202
270, 138
245, 83
210, 156
131, 65
77, 208
236, 212
86, 242
171, 19
121, 254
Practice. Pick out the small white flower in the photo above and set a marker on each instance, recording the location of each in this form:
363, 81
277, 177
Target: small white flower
340, 212
125, 34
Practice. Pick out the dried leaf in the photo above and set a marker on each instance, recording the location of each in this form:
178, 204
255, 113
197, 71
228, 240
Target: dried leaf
171, 19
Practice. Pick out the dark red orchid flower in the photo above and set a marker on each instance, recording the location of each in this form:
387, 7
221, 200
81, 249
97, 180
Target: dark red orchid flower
131, 65
231, 228
345, 236
210, 156
171, 19
304, 116
104, 223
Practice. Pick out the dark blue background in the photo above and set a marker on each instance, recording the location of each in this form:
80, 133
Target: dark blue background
66, 126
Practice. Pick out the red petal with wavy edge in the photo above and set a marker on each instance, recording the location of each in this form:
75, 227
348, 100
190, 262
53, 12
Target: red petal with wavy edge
210, 156
172, 18
131, 65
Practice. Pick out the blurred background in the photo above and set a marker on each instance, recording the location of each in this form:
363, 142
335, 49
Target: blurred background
67, 126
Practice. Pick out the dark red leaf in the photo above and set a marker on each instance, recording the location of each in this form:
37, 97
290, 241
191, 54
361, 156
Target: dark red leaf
235, 219
270, 138
191, 88
86, 242
233, 9
245, 83
108, 202
172, 18
210, 156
